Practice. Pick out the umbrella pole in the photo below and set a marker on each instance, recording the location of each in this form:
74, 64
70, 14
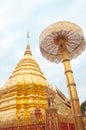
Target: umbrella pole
76, 111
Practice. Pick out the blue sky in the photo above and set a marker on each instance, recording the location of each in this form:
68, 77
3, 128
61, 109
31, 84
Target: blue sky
19, 16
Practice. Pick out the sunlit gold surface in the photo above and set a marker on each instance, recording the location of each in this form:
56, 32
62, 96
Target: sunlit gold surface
27, 70
30, 88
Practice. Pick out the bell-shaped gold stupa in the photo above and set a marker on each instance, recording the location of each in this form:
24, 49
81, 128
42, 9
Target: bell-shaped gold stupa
24, 94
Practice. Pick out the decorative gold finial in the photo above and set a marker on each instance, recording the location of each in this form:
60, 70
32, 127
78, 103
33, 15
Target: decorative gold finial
27, 34
27, 52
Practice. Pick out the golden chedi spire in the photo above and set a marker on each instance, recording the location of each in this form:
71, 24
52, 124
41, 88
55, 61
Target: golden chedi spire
26, 70
30, 85
28, 52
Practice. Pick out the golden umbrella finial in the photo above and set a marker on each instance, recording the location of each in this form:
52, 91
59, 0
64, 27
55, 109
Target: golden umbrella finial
61, 42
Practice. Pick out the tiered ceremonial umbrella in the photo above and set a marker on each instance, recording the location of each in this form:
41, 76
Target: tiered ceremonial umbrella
61, 42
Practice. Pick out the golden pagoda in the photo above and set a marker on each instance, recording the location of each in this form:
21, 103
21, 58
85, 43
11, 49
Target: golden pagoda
27, 94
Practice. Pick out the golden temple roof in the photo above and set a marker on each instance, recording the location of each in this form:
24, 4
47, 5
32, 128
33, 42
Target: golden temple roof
27, 70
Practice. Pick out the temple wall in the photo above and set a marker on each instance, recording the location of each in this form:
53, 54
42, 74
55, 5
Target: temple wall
59, 102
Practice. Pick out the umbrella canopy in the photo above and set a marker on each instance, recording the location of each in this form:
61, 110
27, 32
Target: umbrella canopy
69, 33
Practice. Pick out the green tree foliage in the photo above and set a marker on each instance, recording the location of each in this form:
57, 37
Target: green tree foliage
83, 106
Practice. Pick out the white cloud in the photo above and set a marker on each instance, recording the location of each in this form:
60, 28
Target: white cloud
6, 44
81, 93
15, 12
18, 55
